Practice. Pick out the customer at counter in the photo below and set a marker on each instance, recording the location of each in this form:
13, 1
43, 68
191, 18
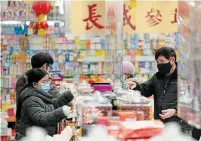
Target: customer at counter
128, 69
44, 61
37, 107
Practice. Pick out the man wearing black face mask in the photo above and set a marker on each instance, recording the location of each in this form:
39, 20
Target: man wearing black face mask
163, 85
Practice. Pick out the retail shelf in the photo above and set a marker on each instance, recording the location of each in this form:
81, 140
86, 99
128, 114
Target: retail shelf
50, 22
93, 74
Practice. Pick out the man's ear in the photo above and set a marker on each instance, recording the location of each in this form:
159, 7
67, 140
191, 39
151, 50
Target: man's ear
172, 60
44, 67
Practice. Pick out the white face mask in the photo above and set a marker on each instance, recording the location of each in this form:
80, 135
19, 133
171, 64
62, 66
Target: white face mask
45, 87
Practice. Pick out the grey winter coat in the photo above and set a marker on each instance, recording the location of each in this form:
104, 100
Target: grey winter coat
37, 108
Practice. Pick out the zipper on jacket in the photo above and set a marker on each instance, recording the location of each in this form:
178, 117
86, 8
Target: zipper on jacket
163, 95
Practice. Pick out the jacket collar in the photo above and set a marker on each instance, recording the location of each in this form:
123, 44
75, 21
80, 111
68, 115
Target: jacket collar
31, 91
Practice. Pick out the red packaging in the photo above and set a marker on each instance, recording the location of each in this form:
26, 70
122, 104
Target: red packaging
4, 138
102, 120
127, 115
11, 112
113, 127
140, 129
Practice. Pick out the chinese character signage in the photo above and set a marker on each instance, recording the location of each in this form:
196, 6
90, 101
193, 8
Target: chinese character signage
129, 18
88, 17
156, 17
93, 17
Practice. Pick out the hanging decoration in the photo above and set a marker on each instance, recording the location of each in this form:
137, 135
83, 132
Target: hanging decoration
41, 8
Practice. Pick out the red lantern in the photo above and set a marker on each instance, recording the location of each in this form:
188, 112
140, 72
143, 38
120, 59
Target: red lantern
41, 7
42, 24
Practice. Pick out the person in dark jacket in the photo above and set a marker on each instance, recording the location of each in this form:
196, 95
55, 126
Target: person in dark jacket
196, 134
37, 107
163, 85
42, 60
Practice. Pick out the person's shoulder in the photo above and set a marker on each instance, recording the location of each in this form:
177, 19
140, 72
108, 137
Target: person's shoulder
22, 80
28, 93
157, 75
32, 101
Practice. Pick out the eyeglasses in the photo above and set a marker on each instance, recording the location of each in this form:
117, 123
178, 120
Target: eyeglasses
49, 67
46, 81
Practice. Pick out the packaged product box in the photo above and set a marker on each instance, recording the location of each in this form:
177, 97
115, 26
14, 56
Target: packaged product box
127, 115
113, 127
140, 129
138, 104
91, 111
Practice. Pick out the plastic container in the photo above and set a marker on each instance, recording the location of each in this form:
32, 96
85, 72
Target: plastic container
134, 102
84, 88
91, 111
90, 108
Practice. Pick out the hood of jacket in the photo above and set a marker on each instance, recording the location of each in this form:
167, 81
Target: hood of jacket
31, 91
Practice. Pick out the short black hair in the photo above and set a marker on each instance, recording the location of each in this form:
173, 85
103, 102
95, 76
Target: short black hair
34, 75
41, 58
167, 52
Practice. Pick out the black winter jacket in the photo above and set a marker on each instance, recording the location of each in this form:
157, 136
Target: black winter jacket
165, 94
37, 108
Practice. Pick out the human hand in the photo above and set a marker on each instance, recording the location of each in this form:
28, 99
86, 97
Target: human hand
67, 110
167, 113
131, 85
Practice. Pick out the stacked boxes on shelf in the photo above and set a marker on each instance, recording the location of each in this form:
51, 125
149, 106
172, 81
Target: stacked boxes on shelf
77, 58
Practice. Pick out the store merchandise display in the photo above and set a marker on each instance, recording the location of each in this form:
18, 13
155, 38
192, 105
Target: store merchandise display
99, 133
28, 28
83, 64
16, 10
70, 53
189, 76
5, 132
133, 101
94, 107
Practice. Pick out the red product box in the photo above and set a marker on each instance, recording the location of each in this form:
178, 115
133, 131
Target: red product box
127, 115
11, 112
4, 138
140, 129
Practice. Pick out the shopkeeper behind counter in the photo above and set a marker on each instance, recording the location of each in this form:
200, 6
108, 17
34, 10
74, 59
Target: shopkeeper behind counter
163, 85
